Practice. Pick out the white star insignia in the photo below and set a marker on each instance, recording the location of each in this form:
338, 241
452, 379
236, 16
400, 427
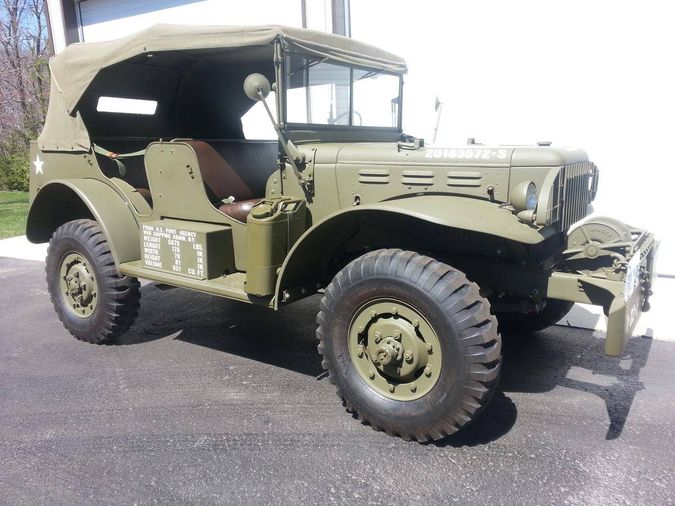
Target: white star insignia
38, 165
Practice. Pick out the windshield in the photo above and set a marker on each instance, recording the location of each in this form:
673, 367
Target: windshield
323, 93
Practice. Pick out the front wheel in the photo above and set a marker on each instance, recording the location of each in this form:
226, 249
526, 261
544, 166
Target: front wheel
92, 299
409, 343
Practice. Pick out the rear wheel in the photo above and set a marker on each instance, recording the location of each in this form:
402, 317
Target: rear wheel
92, 299
409, 343
553, 312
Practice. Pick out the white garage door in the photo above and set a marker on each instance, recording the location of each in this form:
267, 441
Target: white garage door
111, 19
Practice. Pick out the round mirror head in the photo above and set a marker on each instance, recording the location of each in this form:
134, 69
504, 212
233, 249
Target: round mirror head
256, 85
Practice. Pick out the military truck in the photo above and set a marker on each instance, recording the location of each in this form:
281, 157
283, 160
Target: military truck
422, 253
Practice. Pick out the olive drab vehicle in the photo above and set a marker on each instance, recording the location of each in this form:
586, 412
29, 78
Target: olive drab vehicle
143, 170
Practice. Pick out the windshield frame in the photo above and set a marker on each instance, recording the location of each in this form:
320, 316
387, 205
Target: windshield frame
299, 130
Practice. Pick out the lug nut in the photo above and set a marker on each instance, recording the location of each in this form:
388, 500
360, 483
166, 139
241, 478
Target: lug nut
397, 335
378, 337
427, 371
408, 356
359, 351
394, 310
373, 313
416, 323
391, 388
429, 347
360, 329
371, 374
413, 387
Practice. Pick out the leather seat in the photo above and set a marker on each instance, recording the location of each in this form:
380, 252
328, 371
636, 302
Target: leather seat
222, 181
239, 210
145, 193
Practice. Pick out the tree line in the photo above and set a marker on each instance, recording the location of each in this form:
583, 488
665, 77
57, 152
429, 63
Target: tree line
25, 49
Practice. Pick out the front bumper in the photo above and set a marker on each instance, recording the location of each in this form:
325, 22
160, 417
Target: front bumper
623, 300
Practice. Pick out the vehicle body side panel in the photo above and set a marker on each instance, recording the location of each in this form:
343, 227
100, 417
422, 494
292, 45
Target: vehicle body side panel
371, 172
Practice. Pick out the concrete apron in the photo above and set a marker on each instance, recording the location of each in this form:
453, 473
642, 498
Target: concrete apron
654, 324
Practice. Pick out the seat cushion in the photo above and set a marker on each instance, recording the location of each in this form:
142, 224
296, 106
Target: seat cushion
220, 179
239, 210
145, 193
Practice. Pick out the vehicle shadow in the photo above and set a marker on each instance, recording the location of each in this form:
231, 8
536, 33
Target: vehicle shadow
574, 358
284, 338
536, 363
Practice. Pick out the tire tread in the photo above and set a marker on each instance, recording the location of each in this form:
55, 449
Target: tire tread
120, 294
478, 332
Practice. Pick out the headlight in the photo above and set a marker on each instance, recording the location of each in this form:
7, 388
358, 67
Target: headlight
524, 196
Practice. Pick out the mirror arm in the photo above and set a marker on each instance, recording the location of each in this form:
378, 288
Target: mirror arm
292, 154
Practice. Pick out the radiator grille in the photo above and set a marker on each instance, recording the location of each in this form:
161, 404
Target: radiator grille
573, 189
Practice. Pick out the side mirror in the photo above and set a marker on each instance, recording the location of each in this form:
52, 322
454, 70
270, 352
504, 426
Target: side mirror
257, 87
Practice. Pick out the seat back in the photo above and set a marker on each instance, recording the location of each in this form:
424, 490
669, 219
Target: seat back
220, 179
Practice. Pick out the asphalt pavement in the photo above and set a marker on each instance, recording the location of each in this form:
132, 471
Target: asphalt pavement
212, 401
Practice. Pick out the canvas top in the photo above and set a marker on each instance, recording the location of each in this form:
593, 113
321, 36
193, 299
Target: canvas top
75, 68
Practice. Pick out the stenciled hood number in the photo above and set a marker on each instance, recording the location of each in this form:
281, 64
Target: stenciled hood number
467, 153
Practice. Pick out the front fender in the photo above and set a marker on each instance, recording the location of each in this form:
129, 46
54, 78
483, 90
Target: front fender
463, 213
64, 200
309, 256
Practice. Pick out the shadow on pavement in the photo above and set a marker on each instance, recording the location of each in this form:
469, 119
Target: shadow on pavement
496, 421
283, 339
562, 356
540, 362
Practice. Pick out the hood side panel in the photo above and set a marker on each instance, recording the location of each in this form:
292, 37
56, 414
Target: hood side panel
373, 172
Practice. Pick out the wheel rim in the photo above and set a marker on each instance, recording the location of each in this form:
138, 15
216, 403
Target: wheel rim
394, 349
78, 285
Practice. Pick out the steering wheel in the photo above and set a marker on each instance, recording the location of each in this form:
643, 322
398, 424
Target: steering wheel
340, 116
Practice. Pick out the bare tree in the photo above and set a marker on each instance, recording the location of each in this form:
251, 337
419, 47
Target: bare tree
24, 71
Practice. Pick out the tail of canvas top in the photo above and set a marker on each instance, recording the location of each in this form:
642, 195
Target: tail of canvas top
608, 264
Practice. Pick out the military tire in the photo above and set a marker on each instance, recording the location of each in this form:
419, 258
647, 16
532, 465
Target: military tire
446, 364
553, 312
92, 299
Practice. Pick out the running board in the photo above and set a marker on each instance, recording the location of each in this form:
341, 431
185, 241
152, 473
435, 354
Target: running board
230, 286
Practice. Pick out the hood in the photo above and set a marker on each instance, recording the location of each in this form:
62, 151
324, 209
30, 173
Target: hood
474, 155
547, 156
380, 171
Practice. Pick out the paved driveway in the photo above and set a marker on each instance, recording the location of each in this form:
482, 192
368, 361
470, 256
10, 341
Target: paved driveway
207, 400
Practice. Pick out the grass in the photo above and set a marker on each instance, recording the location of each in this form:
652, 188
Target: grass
13, 212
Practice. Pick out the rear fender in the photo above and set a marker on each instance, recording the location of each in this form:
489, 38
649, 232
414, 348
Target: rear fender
61, 201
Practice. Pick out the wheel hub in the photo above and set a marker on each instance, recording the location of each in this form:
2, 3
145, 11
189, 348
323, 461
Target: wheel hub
78, 285
395, 349
388, 352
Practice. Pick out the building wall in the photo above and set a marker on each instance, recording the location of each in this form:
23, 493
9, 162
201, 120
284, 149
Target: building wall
96, 20
109, 19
